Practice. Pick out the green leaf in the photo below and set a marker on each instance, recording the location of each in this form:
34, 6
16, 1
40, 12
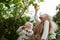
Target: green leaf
40, 0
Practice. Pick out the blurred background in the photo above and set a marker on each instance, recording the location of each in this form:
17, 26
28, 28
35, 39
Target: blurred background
15, 13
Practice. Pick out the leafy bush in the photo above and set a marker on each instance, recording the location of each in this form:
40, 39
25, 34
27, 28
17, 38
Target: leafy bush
9, 26
10, 17
57, 16
57, 20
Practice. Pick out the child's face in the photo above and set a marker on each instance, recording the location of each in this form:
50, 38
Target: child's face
28, 26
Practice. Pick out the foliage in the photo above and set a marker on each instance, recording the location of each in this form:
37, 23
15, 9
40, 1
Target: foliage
9, 26
11, 12
57, 16
57, 20
49, 38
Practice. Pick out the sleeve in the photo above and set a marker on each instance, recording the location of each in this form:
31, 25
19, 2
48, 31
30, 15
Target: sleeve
37, 19
19, 29
46, 30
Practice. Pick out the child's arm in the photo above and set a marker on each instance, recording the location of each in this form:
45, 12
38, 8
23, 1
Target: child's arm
37, 19
19, 30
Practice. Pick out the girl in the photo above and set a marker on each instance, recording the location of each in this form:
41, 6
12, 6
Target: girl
25, 31
43, 27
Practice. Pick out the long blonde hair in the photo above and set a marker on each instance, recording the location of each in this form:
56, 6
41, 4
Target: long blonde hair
52, 25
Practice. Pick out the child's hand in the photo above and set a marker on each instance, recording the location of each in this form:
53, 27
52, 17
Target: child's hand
36, 9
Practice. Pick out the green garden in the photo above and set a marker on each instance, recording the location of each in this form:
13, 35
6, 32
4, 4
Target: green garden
11, 17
